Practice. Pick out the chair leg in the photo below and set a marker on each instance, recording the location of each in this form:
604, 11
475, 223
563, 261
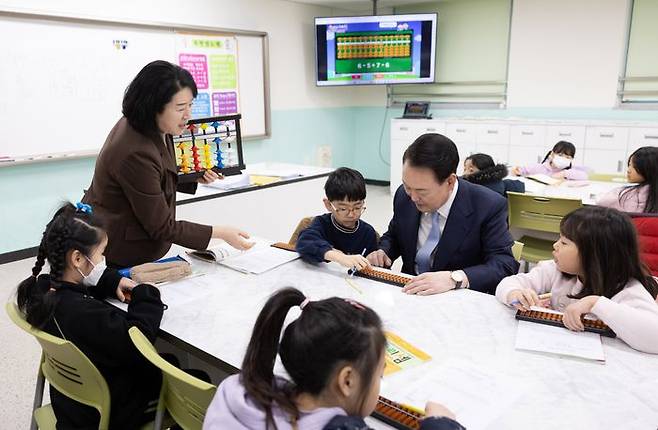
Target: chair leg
160, 411
38, 396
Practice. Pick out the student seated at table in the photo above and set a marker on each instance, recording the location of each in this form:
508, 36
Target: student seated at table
643, 196
480, 169
558, 164
340, 235
334, 354
68, 303
596, 270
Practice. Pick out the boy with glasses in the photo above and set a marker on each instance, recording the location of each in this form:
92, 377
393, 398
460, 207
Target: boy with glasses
340, 235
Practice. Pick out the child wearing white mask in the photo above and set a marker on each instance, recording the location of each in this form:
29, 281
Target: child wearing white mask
68, 303
557, 164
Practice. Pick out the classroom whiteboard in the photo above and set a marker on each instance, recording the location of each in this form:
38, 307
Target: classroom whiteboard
62, 80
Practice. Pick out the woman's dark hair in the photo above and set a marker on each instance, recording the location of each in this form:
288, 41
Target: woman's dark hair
481, 161
329, 333
562, 147
435, 152
68, 230
645, 162
345, 183
149, 92
608, 247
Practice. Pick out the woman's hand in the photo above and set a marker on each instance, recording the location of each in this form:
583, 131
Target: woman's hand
574, 311
233, 236
209, 176
124, 290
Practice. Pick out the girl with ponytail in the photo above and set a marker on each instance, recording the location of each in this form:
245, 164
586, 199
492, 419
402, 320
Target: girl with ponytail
68, 303
334, 354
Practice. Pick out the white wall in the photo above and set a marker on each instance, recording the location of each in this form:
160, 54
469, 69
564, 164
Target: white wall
566, 53
290, 27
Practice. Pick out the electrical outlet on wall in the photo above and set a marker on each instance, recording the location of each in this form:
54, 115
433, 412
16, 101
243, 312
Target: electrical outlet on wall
324, 156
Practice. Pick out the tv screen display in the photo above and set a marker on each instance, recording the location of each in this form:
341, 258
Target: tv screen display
387, 49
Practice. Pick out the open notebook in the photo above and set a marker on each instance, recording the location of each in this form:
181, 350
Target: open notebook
544, 179
259, 259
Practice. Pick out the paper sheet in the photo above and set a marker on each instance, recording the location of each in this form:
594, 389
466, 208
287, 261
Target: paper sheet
557, 340
259, 259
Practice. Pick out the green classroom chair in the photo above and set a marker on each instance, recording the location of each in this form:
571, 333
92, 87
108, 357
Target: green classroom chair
540, 214
608, 177
183, 396
517, 250
67, 369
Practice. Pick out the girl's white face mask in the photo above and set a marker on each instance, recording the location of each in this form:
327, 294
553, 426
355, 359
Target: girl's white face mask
94, 276
561, 162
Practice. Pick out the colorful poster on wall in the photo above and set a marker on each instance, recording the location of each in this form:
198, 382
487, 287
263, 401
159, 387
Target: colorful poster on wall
213, 63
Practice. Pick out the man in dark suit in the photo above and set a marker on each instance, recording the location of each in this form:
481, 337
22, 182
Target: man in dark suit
449, 232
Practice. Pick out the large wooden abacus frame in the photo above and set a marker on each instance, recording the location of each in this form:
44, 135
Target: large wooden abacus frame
549, 318
397, 415
399, 280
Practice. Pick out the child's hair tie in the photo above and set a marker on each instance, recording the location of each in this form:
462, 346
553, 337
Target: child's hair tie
51, 290
355, 304
83, 207
304, 303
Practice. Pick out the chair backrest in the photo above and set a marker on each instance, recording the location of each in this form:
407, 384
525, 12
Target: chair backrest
517, 250
647, 232
303, 224
185, 397
538, 213
68, 369
607, 177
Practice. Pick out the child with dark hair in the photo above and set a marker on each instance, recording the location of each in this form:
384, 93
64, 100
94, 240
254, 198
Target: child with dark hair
643, 196
596, 269
340, 235
558, 164
480, 169
334, 354
68, 303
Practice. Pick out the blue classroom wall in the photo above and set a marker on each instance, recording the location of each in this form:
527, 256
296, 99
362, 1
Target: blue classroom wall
31, 193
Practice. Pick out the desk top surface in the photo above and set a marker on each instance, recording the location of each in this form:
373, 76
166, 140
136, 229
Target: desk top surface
587, 191
475, 369
289, 173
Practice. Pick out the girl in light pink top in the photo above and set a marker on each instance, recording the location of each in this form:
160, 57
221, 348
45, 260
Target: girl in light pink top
642, 197
557, 164
596, 270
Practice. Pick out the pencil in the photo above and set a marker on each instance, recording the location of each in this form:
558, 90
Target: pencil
353, 285
545, 296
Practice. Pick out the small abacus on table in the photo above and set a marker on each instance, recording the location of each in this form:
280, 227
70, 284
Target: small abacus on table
555, 319
213, 143
397, 415
397, 279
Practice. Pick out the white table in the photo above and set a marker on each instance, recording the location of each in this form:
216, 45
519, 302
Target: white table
475, 369
587, 191
271, 210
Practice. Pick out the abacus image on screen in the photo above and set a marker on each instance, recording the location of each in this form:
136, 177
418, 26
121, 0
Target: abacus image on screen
210, 143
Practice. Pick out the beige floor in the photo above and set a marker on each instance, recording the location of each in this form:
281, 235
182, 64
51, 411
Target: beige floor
19, 354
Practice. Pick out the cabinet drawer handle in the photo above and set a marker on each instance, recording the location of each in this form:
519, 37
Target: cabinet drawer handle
460, 130
564, 134
404, 128
492, 131
430, 129
527, 133
619, 165
606, 135
650, 136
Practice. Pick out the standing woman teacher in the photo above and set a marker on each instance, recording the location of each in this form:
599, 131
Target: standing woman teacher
135, 180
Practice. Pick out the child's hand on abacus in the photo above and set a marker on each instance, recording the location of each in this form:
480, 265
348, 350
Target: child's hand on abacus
352, 261
574, 311
124, 289
523, 298
433, 409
